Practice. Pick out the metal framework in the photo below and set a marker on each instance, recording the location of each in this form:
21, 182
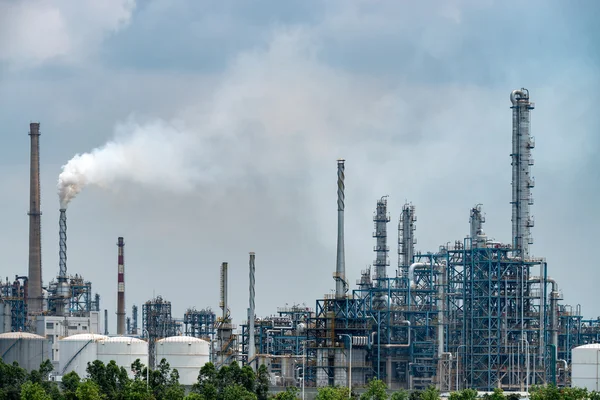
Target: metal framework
157, 323
200, 323
15, 295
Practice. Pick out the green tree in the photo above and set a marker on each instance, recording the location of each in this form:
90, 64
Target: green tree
400, 395
415, 395
332, 393
237, 392
33, 391
194, 396
431, 393
375, 391
137, 390
11, 378
88, 390
262, 383
291, 393
70, 382
466, 394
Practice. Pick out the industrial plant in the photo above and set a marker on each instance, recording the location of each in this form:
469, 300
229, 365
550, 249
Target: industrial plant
474, 313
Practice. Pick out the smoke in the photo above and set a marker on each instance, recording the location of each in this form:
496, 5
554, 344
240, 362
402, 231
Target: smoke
156, 154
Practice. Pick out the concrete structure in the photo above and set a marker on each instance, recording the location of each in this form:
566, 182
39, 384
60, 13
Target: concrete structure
35, 226
585, 367
184, 353
124, 351
77, 351
56, 327
27, 349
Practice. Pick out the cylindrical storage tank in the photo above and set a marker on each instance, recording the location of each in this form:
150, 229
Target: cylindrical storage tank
124, 351
185, 354
585, 366
27, 349
76, 351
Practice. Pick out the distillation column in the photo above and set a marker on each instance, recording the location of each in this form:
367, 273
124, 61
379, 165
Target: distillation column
121, 288
406, 238
522, 181
341, 285
476, 221
381, 218
34, 302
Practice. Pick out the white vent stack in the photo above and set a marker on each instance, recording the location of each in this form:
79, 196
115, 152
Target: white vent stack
341, 286
251, 344
406, 238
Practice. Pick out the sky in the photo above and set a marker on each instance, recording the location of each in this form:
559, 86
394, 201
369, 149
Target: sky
218, 125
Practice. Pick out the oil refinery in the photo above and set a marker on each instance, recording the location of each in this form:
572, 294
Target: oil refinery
474, 313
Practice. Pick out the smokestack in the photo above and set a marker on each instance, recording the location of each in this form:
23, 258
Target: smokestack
121, 290
340, 266
63, 287
106, 321
34, 301
223, 304
251, 344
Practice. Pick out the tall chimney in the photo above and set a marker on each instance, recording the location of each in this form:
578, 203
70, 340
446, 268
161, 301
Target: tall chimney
106, 321
63, 286
35, 238
340, 266
121, 290
251, 343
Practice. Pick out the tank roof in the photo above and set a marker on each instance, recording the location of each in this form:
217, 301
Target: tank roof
181, 339
122, 339
85, 337
21, 335
588, 346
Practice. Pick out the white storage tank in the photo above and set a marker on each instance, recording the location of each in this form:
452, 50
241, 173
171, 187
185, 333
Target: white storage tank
76, 351
585, 366
124, 351
27, 349
185, 354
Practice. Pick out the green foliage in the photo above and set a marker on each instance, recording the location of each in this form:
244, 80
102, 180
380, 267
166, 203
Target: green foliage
33, 391
375, 391
237, 392
70, 383
466, 394
262, 383
332, 393
415, 395
88, 390
431, 393
291, 393
194, 396
110, 379
400, 395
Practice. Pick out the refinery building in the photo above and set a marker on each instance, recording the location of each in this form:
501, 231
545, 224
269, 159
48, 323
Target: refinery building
474, 313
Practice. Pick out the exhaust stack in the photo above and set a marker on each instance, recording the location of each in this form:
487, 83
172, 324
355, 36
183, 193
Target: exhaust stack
251, 344
341, 286
34, 302
121, 290
62, 305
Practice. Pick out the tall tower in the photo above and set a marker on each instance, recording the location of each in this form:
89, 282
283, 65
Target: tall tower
341, 286
522, 181
476, 220
406, 238
121, 289
381, 219
63, 292
251, 343
35, 226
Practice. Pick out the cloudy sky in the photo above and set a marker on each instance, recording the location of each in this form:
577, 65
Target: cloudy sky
225, 119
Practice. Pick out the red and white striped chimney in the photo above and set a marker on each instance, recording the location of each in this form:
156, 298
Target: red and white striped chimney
121, 289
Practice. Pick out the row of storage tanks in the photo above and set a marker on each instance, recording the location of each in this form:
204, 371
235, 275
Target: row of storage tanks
184, 353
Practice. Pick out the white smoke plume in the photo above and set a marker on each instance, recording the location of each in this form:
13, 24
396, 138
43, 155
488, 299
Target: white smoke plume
156, 153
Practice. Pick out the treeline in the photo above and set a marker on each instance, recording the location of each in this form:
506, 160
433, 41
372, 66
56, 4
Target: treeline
111, 382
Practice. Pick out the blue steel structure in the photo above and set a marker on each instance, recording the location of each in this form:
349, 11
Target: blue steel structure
477, 313
15, 295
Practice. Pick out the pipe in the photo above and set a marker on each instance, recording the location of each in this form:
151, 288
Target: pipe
121, 288
514, 93
400, 345
35, 242
62, 304
340, 267
251, 341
